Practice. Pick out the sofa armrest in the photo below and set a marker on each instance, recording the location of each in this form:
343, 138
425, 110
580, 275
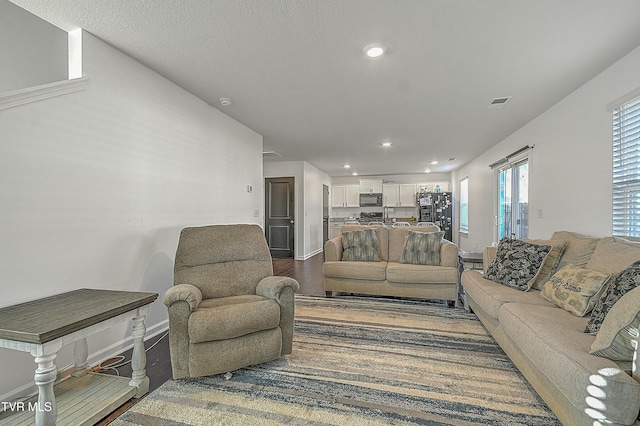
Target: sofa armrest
488, 254
333, 249
448, 254
183, 292
272, 287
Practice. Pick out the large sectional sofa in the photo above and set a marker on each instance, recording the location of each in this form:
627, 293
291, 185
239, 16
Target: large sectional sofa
549, 344
388, 276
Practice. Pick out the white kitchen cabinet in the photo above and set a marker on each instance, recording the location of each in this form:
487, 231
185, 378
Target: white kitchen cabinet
334, 229
399, 195
390, 195
345, 195
370, 186
407, 194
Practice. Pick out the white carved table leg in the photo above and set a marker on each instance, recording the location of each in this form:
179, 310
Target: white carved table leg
139, 377
47, 411
80, 354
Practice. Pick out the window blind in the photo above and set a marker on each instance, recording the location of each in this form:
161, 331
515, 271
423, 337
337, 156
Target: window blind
626, 169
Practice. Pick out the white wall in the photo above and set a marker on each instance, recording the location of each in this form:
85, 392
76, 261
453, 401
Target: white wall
96, 186
571, 164
33, 51
308, 203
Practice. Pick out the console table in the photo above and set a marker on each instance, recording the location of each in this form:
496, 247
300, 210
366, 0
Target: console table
41, 327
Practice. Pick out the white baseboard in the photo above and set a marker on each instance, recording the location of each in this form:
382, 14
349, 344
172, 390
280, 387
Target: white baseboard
310, 255
93, 359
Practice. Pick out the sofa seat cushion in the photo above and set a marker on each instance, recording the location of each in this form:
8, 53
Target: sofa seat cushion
230, 317
371, 271
420, 274
553, 340
491, 295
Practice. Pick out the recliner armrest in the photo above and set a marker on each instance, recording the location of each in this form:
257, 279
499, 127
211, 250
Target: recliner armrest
271, 287
183, 292
333, 249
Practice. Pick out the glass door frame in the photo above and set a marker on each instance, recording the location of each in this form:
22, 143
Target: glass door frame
512, 199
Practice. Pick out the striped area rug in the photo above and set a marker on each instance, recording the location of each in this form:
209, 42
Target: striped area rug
361, 361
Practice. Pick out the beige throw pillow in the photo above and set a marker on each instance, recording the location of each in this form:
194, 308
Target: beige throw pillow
575, 289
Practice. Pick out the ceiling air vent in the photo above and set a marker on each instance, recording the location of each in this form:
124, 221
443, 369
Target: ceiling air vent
269, 154
499, 102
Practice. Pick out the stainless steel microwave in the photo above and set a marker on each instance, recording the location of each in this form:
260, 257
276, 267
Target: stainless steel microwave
370, 200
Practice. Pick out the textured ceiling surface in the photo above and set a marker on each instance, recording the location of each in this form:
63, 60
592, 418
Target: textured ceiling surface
296, 73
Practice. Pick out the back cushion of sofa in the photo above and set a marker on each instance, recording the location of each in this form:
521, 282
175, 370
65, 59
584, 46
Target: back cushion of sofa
382, 235
577, 250
397, 237
613, 255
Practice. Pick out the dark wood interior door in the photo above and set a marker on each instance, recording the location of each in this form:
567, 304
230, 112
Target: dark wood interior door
279, 216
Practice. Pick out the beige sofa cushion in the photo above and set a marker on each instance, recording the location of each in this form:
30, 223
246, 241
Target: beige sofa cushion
574, 289
398, 236
613, 254
492, 296
552, 339
370, 271
578, 248
420, 274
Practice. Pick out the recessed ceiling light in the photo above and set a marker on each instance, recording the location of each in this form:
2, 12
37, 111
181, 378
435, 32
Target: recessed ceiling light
386, 144
427, 170
434, 162
355, 173
225, 101
374, 50
347, 166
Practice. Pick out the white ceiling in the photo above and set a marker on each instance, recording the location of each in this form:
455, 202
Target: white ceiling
297, 75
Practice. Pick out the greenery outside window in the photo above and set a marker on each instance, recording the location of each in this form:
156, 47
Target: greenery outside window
464, 205
626, 169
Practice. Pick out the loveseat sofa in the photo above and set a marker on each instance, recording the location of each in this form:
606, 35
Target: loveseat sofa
390, 275
586, 379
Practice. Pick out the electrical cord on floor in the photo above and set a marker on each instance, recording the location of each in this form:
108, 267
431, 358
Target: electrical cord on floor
109, 364
119, 361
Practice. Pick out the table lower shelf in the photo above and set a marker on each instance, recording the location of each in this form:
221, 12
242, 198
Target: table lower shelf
80, 400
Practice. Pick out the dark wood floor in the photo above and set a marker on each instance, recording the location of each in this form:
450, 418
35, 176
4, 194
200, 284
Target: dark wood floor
308, 273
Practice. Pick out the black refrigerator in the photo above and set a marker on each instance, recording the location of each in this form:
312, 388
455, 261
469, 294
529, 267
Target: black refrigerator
437, 207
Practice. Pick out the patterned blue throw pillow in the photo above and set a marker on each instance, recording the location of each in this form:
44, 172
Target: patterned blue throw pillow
360, 246
517, 263
617, 287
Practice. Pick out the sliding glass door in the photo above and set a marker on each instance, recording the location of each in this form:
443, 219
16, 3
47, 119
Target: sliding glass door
513, 200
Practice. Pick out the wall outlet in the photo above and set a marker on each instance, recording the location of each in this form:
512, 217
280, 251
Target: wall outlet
256, 213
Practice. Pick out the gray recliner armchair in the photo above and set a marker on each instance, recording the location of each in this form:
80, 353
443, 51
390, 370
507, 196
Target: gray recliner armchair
226, 309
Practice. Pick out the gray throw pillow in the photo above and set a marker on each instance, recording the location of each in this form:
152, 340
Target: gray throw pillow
617, 287
360, 246
517, 263
422, 248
